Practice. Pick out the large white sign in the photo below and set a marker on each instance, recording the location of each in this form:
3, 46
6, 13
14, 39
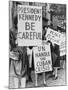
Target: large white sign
53, 36
63, 46
42, 58
29, 25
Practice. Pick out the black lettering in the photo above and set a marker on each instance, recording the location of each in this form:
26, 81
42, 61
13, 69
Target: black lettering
32, 26
27, 26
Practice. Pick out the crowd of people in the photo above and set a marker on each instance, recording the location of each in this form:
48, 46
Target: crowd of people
24, 55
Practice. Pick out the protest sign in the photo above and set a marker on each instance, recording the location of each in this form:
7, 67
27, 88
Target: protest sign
42, 58
63, 46
29, 25
53, 36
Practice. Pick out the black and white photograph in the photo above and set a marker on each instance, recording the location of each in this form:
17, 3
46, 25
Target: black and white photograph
37, 44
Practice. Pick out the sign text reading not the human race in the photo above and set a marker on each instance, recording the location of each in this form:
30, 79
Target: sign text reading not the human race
29, 23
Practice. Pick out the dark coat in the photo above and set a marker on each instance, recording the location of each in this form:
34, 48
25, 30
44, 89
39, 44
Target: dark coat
57, 52
55, 55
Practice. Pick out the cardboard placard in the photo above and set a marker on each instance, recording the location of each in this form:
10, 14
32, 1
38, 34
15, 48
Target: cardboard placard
63, 46
42, 58
29, 25
53, 36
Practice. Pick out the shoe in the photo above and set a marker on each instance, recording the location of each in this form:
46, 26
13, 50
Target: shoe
27, 81
30, 79
56, 77
45, 85
60, 68
51, 76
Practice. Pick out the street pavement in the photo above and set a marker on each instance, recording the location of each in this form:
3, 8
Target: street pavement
50, 81
15, 82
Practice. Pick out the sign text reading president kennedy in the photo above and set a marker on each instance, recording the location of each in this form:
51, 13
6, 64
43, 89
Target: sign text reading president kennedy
29, 25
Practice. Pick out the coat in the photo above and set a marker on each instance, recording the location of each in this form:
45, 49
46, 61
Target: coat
55, 55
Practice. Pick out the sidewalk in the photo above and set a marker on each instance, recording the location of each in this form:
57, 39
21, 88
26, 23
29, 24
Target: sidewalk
49, 80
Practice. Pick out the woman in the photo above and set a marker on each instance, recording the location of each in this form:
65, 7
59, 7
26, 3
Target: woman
56, 59
16, 60
29, 63
12, 45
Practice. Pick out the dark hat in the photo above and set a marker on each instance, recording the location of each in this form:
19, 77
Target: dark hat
61, 29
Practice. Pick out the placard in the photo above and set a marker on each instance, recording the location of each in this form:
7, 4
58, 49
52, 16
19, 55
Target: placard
53, 36
42, 58
29, 25
63, 46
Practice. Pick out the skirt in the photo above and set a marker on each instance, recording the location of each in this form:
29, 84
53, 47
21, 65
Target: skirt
55, 60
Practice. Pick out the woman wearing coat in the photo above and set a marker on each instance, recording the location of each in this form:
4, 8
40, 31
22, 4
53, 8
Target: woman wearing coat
55, 59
